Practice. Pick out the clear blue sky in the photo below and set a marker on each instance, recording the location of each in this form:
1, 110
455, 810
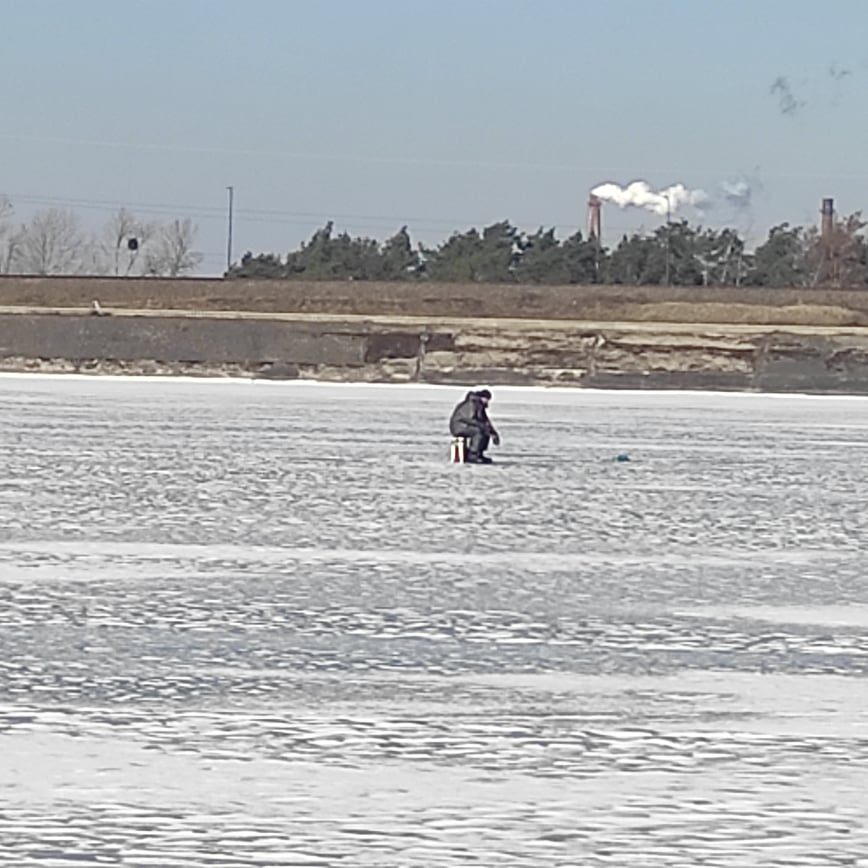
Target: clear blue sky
440, 115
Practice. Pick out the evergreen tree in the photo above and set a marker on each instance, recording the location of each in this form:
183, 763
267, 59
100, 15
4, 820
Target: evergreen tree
454, 259
487, 258
398, 259
637, 260
263, 266
780, 261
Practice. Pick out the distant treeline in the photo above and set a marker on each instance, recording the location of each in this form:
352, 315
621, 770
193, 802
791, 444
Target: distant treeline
675, 254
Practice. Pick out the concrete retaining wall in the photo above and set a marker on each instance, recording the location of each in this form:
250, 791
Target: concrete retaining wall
175, 339
581, 354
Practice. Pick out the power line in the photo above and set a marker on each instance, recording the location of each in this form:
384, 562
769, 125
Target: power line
271, 216
206, 211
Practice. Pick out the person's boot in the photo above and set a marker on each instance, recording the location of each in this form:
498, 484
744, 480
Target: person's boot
476, 458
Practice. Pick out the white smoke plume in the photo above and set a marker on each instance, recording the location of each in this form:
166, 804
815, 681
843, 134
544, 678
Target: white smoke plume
737, 193
788, 102
639, 194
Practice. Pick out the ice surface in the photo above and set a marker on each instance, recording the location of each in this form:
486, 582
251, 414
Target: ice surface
248, 623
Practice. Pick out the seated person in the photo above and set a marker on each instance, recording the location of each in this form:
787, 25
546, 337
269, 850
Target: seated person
470, 421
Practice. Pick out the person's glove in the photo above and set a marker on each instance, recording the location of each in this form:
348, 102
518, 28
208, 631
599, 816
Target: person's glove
495, 437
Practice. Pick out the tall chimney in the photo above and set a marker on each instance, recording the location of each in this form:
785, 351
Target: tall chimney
827, 218
595, 206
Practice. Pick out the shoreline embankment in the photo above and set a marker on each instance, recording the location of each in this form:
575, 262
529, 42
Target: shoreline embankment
592, 337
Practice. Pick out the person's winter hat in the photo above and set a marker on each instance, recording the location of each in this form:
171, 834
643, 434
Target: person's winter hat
484, 393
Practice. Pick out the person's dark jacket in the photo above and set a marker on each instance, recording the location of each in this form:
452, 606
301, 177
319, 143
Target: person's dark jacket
469, 417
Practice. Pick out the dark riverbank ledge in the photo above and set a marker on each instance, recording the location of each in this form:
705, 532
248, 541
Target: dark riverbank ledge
779, 341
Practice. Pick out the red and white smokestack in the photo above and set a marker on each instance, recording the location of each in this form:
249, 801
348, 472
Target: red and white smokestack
827, 217
595, 206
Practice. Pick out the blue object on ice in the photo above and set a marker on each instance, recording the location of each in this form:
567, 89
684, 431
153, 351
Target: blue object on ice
622, 456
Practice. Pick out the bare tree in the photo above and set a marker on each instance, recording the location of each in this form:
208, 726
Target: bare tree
840, 257
172, 254
5, 212
8, 236
93, 258
51, 243
125, 243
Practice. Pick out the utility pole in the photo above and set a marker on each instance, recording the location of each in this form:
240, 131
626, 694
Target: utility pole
229, 230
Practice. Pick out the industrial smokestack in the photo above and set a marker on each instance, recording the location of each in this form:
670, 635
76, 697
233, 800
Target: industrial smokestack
595, 206
827, 218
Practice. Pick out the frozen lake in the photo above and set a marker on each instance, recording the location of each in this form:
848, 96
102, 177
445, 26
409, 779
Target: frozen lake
260, 624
